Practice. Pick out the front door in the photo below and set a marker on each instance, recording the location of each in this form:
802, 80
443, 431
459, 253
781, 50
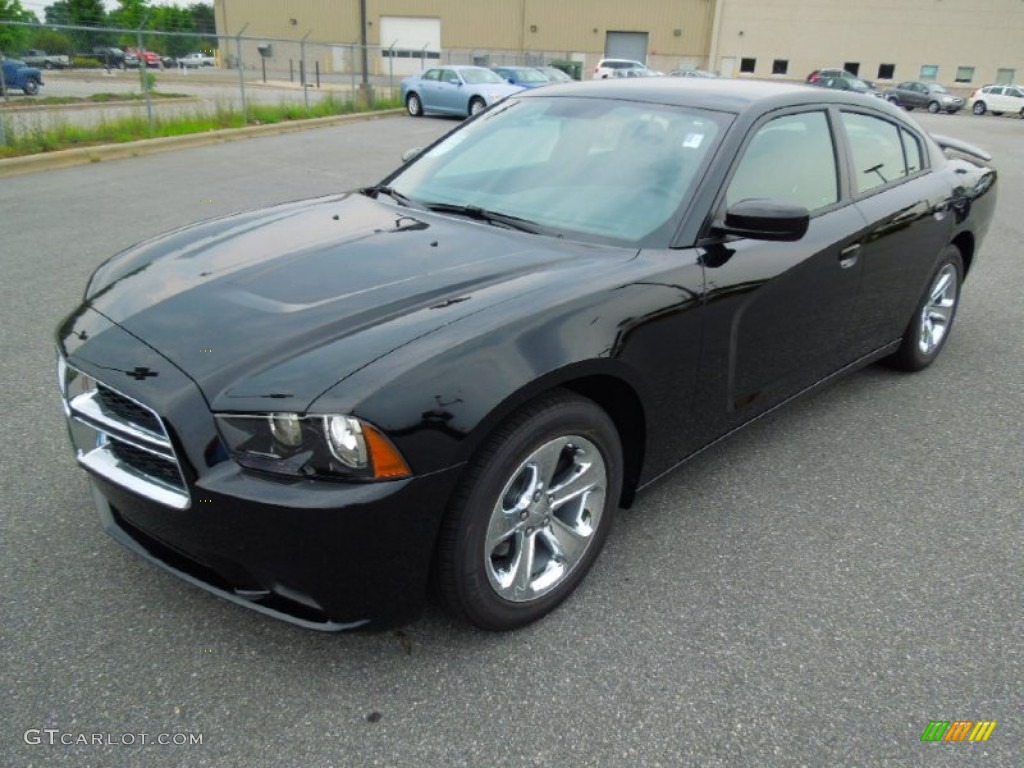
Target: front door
777, 312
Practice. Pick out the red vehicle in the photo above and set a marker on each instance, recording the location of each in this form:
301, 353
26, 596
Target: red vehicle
150, 58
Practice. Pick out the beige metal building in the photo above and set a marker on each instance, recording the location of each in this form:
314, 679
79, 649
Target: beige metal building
956, 42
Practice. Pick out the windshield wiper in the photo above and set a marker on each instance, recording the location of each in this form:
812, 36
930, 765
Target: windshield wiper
491, 217
383, 189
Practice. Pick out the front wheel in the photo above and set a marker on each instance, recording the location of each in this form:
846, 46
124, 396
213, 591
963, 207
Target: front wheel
414, 105
933, 107
978, 108
532, 513
929, 328
31, 87
476, 106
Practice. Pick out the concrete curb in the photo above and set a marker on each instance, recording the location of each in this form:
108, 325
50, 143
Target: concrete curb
68, 158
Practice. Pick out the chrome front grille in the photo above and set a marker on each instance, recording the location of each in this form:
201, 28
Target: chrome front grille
121, 439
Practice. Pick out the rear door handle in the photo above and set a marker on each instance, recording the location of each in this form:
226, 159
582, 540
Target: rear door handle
849, 255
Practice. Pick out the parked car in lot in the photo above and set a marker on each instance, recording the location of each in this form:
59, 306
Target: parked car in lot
20, 77
693, 73
195, 60
524, 77
463, 372
998, 99
44, 60
853, 85
836, 73
606, 68
555, 75
454, 90
110, 57
931, 96
150, 58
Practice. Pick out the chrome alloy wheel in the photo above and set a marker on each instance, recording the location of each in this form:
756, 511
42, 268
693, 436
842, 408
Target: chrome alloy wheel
545, 518
937, 313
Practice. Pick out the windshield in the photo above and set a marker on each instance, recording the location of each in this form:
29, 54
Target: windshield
601, 169
477, 76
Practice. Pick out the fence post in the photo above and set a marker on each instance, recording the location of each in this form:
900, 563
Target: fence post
305, 83
3, 90
391, 70
144, 80
241, 72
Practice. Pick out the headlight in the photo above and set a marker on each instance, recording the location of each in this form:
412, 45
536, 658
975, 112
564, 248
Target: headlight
334, 446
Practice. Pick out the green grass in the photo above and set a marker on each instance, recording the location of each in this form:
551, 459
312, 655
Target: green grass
96, 98
58, 133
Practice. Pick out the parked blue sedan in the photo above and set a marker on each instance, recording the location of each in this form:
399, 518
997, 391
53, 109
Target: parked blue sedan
455, 90
18, 75
527, 77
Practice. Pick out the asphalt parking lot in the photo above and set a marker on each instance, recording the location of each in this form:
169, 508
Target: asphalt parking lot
811, 592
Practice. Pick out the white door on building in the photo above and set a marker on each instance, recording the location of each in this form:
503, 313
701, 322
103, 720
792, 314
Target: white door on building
728, 66
409, 45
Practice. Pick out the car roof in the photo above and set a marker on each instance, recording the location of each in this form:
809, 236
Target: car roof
721, 94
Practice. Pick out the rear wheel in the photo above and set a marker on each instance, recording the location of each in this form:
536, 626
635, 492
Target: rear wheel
31, 86
532, 513
414, 105
929, 328
978, 108
476, 105
933, 107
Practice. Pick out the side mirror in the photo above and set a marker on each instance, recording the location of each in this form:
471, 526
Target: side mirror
765, 220
409, 154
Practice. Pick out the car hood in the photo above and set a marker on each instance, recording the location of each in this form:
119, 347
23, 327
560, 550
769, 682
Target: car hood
269, 309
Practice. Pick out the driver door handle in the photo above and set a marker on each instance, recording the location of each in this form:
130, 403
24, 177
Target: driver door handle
849, 255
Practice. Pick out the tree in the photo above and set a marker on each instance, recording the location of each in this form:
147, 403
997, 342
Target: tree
14, 39
58, 13
88, 13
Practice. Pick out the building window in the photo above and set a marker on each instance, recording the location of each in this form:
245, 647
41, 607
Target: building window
964, 74
748, 65
780, 66
929, 72
853, 67
1005, 76
886, 71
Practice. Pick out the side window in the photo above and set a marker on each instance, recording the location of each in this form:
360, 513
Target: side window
432, 74
877, 151
791, 159
450, 76
912, 151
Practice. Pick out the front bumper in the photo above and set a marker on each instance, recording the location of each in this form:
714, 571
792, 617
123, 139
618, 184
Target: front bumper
322, 554
325, 556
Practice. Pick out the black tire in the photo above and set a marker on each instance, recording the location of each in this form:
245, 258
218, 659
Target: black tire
476, 106
413, 105
506, 510
31, 86
933, 107
933, 318
978, 108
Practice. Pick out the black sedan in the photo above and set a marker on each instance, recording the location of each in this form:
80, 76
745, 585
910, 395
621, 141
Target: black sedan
931, 96
460, 374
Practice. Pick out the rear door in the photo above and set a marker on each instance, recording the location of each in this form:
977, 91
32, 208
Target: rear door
905, 205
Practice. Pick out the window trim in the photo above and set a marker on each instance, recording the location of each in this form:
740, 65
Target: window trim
926, 165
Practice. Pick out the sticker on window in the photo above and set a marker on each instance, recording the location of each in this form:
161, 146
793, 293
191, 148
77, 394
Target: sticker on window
693, 140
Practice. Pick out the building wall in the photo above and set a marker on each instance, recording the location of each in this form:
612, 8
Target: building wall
807, 34
679, 30
811, 34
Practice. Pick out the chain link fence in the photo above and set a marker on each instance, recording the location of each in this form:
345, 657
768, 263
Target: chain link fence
81, 63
